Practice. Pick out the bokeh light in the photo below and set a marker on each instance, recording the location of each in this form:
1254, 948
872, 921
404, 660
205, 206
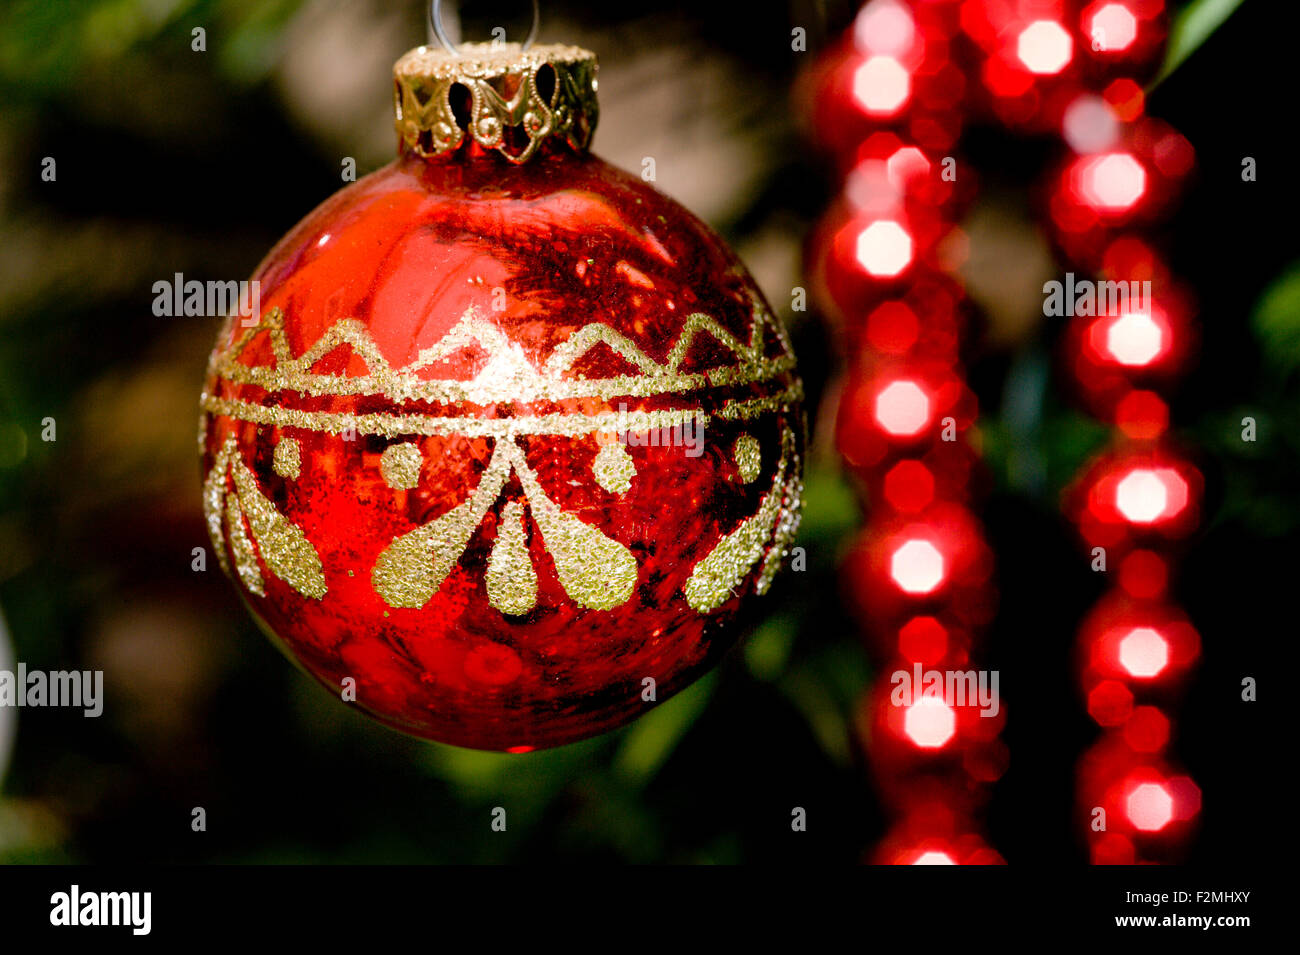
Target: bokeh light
903, 408
930, 722
881, 85
1135, 339
1148, 495
1126, 98
934, 857
884, 26
1150, 807
884, 248
1044, 47
1090, 125
1111, 28
1144, 652
917, 567
1112, 182
905, 164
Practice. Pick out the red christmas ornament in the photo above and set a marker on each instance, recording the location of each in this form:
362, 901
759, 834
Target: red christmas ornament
514, 434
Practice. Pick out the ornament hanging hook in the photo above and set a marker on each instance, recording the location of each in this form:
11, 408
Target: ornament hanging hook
435, 20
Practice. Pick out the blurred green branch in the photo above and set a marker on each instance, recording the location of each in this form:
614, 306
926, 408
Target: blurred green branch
1193, 25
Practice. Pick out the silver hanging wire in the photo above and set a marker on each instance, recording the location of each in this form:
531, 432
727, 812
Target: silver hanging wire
435, 21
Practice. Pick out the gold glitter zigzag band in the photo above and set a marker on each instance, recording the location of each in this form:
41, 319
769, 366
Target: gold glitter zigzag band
508, 375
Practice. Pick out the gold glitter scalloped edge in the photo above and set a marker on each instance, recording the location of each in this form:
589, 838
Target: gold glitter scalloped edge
513, 378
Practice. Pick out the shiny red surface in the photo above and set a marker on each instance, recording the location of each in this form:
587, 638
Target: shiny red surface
572, 241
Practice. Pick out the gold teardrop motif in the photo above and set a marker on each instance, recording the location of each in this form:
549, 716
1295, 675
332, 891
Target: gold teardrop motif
595, 571
214, 499
283, 547
242, 548
715, 577
410, 570
511, 579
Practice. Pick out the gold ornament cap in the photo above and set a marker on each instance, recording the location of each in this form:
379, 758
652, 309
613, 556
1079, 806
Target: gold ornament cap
501, 96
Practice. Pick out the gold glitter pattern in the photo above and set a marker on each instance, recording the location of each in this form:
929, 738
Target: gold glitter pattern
511, 580
282, 546
787, 524
504, 94
748, 456
568, 425
242, 548
596, 572
400, 466
214, 495
614, 468
717, 575
287, 461
507, 375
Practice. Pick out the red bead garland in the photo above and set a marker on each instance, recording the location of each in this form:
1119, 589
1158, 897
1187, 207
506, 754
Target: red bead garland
889, 101
920, 573
1134, 502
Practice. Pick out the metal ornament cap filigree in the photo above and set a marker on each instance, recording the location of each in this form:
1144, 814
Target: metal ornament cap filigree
517, 98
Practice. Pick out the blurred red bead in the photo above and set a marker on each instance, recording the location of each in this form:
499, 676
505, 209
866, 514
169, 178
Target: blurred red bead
1126, 98
941, 742
1111, 848
1146, 645
1028, 60
1142, 415
890, 405
924, 320
909, 487
1143, 799
892, 328
1135, 494
923, 640
1122, 37
1091, 197
1143, 574
931, 832
873, 256
935, 560
892, 71
1147, 730
1110, 703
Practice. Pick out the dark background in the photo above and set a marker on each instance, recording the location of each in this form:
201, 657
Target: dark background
175, 161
